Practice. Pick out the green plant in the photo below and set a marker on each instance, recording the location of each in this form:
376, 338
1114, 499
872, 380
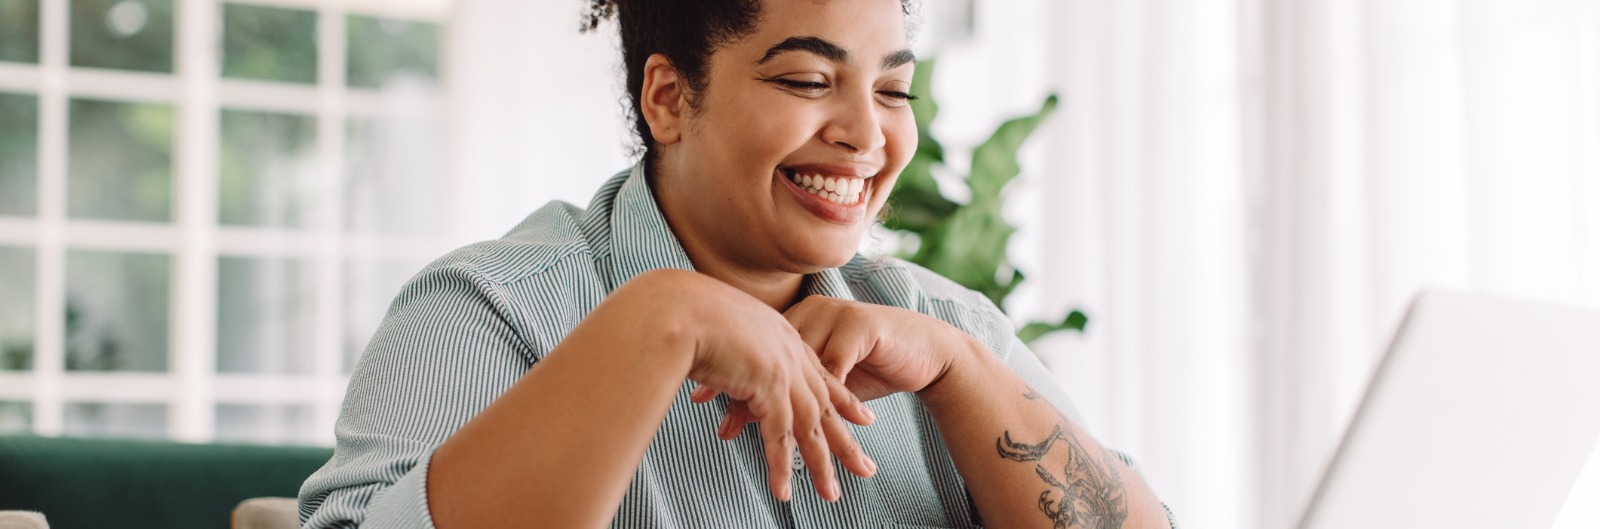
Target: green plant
967, 242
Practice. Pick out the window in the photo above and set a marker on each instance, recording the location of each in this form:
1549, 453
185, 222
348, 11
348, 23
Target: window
205, 207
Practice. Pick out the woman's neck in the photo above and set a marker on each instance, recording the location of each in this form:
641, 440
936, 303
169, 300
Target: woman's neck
778, 290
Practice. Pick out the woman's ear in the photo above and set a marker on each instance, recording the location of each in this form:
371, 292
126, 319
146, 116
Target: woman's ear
662, 101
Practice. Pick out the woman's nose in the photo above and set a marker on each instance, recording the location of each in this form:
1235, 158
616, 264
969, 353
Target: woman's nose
855, 126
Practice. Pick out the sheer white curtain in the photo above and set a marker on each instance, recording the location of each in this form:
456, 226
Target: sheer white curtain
1243, 194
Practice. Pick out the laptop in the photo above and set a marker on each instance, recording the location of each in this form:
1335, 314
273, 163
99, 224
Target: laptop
1481, 415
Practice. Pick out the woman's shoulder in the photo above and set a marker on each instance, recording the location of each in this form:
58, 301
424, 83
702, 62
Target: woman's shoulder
897, 282
552, 235
902, 280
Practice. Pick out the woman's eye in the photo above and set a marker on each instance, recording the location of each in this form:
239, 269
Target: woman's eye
896, 97
803, 86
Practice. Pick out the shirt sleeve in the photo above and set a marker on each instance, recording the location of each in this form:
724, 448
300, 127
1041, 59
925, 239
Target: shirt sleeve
443, 352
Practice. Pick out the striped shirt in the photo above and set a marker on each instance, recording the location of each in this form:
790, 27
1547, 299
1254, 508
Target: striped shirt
467, 327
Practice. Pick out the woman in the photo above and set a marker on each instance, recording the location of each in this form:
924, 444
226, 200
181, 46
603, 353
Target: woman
579, 371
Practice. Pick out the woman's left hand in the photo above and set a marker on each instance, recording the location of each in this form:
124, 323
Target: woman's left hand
876, 350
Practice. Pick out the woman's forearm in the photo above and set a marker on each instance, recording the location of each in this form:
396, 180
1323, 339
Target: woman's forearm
1026, 464
562, 444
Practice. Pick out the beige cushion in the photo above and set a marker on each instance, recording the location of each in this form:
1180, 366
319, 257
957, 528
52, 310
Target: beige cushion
267, 513
22, 520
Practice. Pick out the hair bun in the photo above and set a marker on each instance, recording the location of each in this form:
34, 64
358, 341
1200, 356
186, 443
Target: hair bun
598, 11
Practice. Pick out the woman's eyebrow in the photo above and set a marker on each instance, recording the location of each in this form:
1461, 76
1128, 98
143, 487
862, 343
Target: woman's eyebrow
830, 51
816, 45
894, 60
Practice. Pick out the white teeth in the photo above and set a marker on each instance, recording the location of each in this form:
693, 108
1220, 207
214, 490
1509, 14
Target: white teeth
841, 190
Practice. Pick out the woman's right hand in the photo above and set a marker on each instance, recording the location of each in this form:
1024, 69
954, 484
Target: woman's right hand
747, 350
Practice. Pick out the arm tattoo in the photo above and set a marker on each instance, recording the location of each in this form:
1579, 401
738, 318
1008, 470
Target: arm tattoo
1088, 494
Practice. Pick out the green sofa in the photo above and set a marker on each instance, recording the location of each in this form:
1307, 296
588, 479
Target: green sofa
99, 483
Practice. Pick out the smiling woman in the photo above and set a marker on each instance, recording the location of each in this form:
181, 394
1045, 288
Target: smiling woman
604, 366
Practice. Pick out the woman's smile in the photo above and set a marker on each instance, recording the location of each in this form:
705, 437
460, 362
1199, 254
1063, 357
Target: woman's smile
839, 195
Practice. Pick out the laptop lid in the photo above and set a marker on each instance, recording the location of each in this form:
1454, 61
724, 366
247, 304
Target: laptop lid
1480, 415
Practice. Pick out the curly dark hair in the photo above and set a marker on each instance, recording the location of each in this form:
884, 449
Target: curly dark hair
686, 32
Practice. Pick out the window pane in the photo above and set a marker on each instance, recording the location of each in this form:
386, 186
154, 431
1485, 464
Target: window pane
385, 51
94, 419
16, 417
122, 34
369, 288
16, 308
19, 151
269, 43
264, 316
120, 164
268, 169
394, 179
241, 423
19, 30
116, 314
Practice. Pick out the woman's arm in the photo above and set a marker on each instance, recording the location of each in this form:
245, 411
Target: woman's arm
594, 402
1025, 463
590, 407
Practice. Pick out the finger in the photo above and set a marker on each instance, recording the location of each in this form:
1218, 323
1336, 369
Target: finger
777, 436
845, 447
734, 421
703, 394
810, 399
848, 344
847, 403
811, 325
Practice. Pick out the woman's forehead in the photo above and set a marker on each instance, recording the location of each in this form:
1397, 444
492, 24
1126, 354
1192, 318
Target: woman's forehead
871, 27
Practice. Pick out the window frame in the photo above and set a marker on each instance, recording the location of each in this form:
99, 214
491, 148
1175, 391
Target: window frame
194, 238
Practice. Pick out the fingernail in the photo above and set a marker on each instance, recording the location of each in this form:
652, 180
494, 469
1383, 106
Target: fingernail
872, 466
871, 417
727, 422
834, 492
786, 494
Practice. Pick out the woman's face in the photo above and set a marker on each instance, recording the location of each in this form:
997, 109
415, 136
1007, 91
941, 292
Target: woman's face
801, 131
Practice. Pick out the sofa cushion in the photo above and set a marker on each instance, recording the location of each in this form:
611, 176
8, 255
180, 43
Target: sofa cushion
94, 483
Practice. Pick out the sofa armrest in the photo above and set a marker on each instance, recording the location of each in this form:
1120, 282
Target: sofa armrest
22, 520
265, 513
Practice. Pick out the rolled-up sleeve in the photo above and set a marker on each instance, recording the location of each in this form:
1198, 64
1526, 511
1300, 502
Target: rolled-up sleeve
444, 351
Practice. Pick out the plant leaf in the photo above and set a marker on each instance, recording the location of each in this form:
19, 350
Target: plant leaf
994, 163
1075, 321
969, 247
923, 106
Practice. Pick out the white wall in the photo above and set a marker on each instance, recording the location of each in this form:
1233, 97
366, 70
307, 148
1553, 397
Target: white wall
538, 112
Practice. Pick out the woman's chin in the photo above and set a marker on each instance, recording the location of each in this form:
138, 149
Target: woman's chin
816, 258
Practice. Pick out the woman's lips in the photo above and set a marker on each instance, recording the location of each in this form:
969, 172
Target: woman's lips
831, 208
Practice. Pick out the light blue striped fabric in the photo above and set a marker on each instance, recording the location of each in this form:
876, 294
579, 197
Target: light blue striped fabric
469, 325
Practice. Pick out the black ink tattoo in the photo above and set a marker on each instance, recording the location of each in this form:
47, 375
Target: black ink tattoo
1088, 495
1032, 394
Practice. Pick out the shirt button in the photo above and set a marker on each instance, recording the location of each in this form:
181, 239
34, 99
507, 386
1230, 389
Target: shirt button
796, 462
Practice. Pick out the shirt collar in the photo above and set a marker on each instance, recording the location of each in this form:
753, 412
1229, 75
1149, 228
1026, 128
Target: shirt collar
641, 240
829, 282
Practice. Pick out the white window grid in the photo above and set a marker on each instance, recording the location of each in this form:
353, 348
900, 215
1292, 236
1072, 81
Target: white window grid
191, 388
